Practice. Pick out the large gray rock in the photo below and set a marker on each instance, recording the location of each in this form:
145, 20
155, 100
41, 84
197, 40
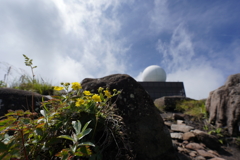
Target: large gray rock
223, 105
14, 99
144, 126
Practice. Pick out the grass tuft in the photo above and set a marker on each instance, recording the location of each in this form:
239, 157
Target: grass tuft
35, 85
193, 108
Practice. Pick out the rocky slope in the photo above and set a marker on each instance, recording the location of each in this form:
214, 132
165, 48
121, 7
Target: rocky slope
192, 143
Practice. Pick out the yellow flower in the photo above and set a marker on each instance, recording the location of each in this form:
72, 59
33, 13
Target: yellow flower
79, 102
107, 93
57, 88
76, 86
87, 93
100, 89
96, 98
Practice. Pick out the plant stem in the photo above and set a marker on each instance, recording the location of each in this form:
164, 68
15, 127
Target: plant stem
32, 89
24, 149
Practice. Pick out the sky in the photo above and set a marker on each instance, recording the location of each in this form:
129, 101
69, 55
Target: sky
195, 42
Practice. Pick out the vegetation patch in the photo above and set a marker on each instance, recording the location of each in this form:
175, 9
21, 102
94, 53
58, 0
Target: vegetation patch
76, 125
193, 108
34, 85
67, 127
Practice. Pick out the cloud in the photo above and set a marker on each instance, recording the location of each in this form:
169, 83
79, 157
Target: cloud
183, 64
67, 40
72, 40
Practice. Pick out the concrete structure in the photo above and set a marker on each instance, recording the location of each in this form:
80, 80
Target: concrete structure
154, 82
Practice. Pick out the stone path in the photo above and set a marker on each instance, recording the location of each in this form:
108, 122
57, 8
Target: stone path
194, 144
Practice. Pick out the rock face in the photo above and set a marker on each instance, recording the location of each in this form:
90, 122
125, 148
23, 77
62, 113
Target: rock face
150, 137
169, 102
14, 99
223, 105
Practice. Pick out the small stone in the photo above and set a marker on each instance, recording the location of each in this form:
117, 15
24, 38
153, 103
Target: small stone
200, 158
188, 136
180, 149
213, 152
217, 158
180, 122
181, 128
205, 154
193, 153
194, 146
131, 95
185, 142
176, 135
196, 131
168, 124
175, 142
203, 145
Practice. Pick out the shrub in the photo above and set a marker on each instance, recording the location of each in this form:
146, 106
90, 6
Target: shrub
193, 108
57, 130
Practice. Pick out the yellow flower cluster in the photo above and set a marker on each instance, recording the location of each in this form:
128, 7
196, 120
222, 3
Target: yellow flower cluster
76, 86
79, 102
96, 98
107, 94
87, 94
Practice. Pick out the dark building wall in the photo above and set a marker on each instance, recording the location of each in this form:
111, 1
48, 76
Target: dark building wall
160, 89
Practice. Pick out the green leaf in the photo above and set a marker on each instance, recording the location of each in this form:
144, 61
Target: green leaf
66, 137
43, 112
77, 126
63, 154
102, 96
75, 138
83, 151
39, 131
84, 133
73, 148
3, 147
26, 120
86, 125
86, 144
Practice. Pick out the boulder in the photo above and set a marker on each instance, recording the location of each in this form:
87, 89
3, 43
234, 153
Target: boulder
210, 141
14, 99
144, 126
223, 105
168, 103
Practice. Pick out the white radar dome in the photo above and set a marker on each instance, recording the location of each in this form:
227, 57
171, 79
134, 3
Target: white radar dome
154, 73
